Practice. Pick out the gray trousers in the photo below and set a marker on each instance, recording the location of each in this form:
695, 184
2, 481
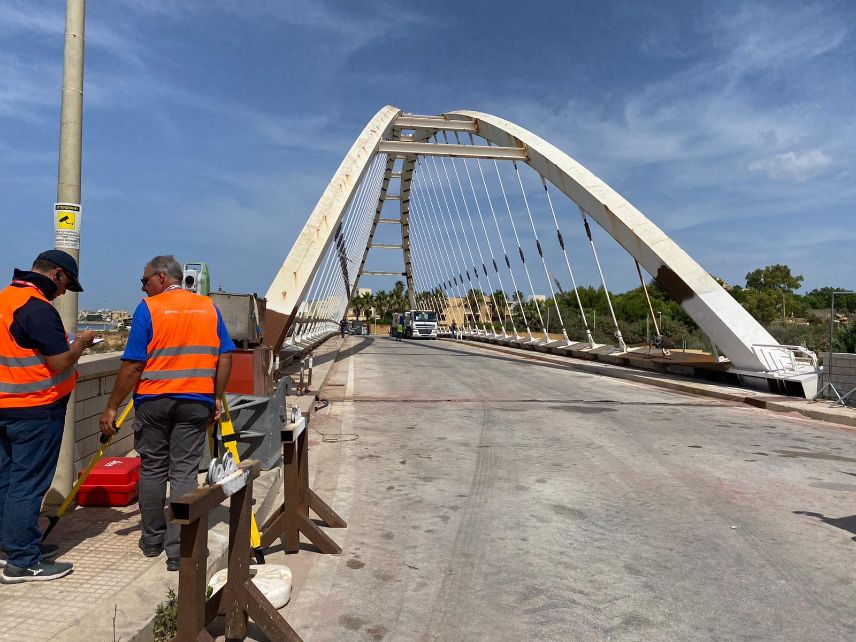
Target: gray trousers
168, 435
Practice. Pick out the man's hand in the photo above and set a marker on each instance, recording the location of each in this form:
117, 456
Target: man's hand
87, 337
218, 408
105, 421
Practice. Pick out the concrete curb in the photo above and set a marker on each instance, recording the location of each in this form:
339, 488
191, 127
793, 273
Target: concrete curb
844, 417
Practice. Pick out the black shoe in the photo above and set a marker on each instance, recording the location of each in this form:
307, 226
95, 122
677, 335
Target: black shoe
48, 551
150, 550
41, 572
173, 563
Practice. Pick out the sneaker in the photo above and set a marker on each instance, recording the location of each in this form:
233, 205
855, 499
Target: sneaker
150, 550
173, 563
48, 551
41, 572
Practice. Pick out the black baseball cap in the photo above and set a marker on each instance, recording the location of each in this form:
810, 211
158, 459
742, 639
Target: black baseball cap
65, 261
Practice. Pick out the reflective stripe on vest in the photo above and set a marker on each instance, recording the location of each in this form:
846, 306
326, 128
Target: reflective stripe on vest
26, 379
21, 362
164, 375
182, 354
35, 386
174, 352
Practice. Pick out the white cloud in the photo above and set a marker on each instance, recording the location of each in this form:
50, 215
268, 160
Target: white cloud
26, 17
763, 37
792, 166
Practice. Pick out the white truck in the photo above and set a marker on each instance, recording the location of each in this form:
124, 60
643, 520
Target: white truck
420, 324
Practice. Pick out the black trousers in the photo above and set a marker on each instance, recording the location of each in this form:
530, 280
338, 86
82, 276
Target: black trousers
168, 435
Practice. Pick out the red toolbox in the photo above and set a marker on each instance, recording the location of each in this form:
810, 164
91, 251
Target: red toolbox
112, 482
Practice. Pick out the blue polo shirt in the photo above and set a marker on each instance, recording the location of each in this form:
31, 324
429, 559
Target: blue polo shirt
141, 335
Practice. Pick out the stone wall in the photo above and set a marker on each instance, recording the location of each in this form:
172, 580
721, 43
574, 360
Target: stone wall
97, 376
842, 372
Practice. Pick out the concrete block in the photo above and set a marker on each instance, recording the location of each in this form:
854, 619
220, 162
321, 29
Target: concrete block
86, 389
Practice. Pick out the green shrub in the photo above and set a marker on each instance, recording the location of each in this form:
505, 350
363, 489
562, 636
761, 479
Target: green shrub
166, 618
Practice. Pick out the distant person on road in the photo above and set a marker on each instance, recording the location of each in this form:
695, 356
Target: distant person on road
177, 361
454, 330
399, 330
343, 325
37, 376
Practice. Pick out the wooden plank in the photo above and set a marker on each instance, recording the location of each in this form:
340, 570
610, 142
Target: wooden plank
265, 616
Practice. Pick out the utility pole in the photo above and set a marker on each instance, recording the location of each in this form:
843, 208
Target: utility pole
68, 192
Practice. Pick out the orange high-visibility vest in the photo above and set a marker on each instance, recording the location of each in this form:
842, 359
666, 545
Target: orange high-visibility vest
182, 355
26, 379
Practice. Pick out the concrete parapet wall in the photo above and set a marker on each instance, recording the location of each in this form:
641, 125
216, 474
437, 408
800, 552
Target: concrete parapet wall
97, 376
842, 373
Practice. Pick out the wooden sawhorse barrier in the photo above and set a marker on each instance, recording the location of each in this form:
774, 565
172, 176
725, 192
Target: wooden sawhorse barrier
239, 598
292, 517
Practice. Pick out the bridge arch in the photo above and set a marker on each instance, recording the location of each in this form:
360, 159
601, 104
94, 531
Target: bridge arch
736, 333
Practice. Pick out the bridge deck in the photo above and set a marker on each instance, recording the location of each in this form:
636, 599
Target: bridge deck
494, 498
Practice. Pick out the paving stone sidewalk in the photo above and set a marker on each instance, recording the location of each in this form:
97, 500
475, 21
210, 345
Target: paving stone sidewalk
102, 544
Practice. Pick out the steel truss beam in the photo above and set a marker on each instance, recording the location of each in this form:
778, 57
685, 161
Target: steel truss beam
434, 123
408, 148
367, 273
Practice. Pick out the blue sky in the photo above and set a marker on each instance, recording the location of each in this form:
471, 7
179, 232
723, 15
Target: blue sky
211, 127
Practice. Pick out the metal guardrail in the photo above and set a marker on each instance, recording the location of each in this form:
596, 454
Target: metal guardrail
786, 359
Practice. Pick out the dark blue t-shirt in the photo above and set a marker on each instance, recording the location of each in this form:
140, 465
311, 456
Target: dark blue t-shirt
141, 335
36, 325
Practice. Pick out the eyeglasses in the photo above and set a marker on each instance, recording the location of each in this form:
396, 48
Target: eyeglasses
145, 279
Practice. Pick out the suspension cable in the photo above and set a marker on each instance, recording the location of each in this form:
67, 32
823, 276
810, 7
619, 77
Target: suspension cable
332, 296
520, 253
489, 245
621, 344
568, 263
541, 254
443, 215
466, 239
454, 228
505, 256
475, 234
421, 191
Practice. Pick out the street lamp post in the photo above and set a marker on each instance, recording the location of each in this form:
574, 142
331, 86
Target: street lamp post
68, 191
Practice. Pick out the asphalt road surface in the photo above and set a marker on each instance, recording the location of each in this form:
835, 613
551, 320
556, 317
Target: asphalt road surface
490, 497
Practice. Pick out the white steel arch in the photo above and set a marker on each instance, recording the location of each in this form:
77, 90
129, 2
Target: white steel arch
737, 334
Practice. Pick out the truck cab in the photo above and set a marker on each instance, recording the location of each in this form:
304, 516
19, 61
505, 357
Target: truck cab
420, 324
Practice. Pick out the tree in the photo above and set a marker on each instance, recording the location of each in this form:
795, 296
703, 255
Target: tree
761, 304
820, 298
845, 338
380, 301
398, 297
774, 277
361, 304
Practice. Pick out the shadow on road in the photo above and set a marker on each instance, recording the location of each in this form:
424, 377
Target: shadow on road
844, 523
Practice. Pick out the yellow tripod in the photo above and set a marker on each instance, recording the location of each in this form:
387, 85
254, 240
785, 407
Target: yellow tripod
229, 438
105, 442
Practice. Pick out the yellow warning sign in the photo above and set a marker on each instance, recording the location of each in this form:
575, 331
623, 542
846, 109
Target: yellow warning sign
66, 220
67, 225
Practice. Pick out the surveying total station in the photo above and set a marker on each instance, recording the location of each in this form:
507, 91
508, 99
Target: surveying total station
196, 278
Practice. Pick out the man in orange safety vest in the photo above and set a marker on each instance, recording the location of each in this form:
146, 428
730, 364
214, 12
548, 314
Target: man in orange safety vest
177, 361
37, 376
